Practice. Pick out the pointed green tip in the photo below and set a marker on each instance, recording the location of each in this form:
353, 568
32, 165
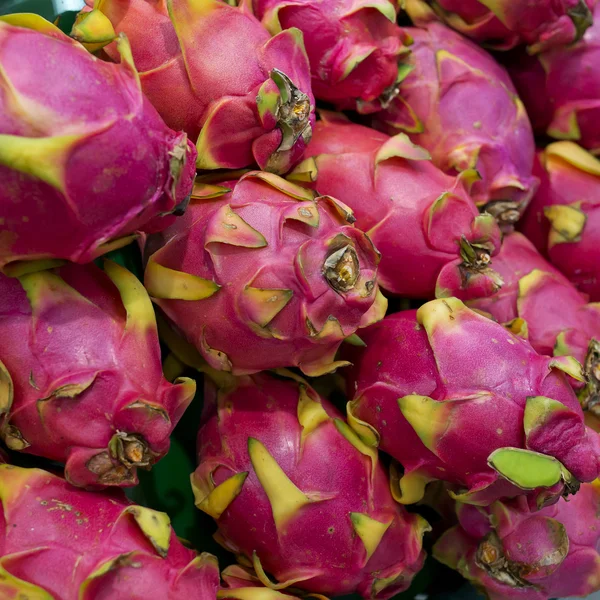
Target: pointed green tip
137, 303
370, 531
526, 469
93, 27
567, 222
285, 498
155, 525
428, 417
219, 499
442, 311
539, 410
400, 146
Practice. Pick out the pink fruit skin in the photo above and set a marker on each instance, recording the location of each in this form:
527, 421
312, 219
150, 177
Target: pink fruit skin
392, 188
546, 300
534, 225
483, 376
317, 544
460, 105
554, 552
507, 23
184, 51
576, 185
58, 538
561, 88
280, 244
85, 383
353, 46
121, 157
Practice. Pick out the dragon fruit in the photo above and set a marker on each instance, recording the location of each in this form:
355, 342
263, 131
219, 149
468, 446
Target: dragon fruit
266, 266
76, 134
538, 302
353, 46
503, 24
510, 552
460, 105
80, 373
330, 527
564, 217
256, 109
59, 542
561, 88
454, 396
444, 244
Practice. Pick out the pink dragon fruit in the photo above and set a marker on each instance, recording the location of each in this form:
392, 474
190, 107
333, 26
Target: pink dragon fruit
214, 71
460, 105
561, 88
80, 373
538, 302
353, 46
454, 396
73, 130
564, 217
392, 186
262, 263
58, 542
330, 527
503, 24
512, 553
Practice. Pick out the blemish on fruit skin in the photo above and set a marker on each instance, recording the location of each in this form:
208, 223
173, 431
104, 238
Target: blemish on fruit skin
494, 340
499, 431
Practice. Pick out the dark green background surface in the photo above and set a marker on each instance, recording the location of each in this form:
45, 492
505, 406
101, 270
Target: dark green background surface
41, 7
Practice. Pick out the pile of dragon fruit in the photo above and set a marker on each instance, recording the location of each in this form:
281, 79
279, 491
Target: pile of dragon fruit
363, 235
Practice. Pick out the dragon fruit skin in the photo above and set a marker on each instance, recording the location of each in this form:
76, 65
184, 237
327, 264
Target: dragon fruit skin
266, 266
444, 242
503, 24
555, 318
510, 552
460, 105
83, 384
454, 396
540, 295
59, 542
71, 144
561, 87
564, 216
330, 527
258, 109
353, 46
